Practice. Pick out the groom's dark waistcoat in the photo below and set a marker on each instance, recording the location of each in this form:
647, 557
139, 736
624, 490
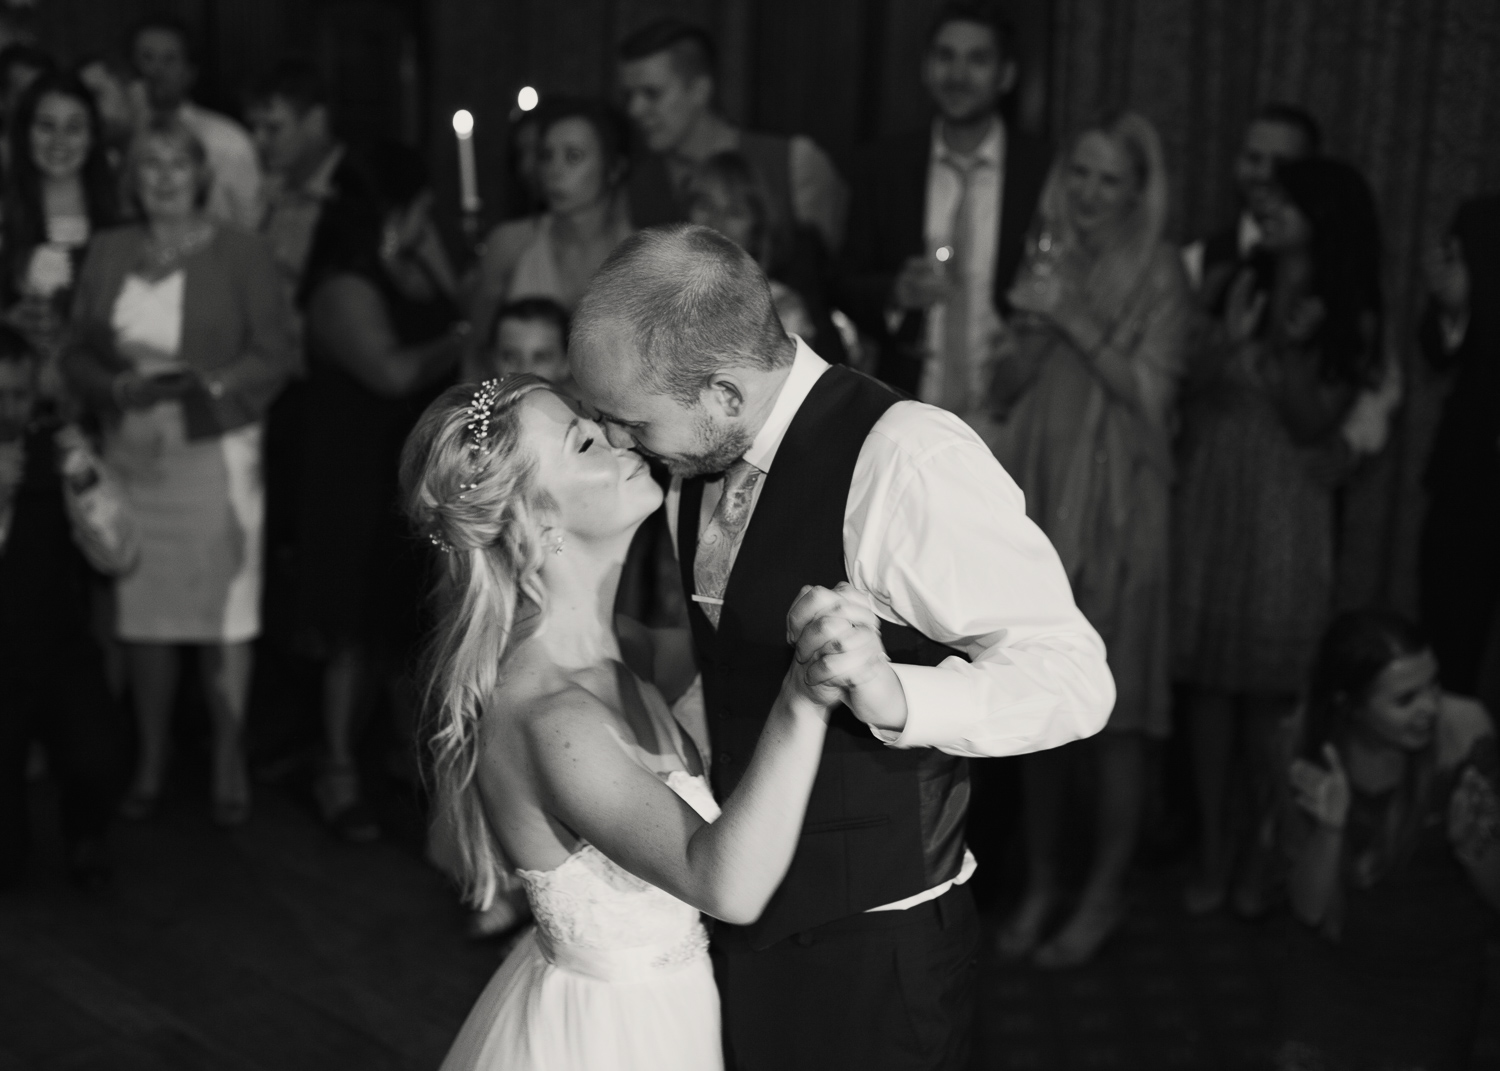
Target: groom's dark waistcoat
882, 824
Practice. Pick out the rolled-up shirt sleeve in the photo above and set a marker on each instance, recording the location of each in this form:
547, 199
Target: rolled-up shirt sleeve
936, 533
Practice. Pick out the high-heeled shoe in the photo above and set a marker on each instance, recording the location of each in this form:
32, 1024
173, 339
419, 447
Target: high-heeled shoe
231, 805
138, 806
232, 812
1080, 940
344, 811
1022, 932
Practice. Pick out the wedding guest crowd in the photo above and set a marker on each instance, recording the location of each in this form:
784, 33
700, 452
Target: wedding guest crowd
202, 319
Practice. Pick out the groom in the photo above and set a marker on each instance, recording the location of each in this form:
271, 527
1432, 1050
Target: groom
790, 473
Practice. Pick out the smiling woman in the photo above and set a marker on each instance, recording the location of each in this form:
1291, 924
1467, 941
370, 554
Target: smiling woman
1086, 402
59, 190
179, 343
1392, 832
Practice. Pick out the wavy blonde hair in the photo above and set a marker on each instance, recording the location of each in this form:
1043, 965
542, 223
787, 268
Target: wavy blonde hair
468, 484
1120, 266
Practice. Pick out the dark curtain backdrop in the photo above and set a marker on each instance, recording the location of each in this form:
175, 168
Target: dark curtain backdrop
1408, 90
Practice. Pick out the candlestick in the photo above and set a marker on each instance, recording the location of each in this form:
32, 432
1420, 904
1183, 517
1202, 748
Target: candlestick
468, 175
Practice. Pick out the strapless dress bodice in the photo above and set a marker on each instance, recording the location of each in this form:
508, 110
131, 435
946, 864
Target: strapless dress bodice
595, 918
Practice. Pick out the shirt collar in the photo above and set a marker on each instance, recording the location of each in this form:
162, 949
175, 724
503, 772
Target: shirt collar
989, 151
1248, 234
807, 366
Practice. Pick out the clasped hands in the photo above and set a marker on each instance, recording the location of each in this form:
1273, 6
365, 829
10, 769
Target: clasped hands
839, 657
154, 376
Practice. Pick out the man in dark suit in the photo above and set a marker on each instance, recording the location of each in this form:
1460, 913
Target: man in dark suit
938, 216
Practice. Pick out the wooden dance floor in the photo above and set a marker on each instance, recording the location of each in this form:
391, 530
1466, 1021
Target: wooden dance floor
273, 948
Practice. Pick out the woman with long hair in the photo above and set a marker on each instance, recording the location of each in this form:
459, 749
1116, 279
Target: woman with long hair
554, 753
1460, 336
1393, 840
384, 336
582, 161
179, 342
1104, 318
59, 191
1253, 543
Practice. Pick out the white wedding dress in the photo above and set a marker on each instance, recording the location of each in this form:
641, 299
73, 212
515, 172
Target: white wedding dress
614, 976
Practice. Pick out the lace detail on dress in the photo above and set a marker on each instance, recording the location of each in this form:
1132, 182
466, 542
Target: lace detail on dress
694, 944
589, 901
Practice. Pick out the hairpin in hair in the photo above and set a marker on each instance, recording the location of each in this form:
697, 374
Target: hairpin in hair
441, 543
480, 408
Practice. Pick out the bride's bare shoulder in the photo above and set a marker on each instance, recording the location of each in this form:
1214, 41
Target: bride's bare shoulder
544, 705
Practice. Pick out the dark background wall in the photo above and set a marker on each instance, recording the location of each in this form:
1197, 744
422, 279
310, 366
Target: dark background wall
1407, 89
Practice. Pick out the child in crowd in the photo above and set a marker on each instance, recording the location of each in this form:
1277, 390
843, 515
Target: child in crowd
1394, 848
52, 686
530, 335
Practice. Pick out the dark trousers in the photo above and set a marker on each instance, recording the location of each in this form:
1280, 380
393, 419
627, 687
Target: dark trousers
59, 698
883, 990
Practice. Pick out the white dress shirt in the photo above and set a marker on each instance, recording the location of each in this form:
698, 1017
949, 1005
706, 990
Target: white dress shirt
936, 535
944, 187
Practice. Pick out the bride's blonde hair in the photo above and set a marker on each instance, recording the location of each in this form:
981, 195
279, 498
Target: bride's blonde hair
468, 485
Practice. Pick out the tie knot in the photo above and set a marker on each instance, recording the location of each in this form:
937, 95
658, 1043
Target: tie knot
736, 475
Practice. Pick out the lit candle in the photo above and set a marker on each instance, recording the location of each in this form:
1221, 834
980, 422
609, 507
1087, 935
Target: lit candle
468, 176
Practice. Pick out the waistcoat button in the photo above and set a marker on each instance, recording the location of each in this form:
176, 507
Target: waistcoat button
724, 758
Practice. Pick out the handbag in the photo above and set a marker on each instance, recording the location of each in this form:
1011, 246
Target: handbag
98, 512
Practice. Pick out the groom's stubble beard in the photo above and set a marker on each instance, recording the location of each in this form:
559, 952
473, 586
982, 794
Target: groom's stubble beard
719, 448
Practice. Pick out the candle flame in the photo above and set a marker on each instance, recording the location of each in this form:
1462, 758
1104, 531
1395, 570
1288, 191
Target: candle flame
527, 99
463, 123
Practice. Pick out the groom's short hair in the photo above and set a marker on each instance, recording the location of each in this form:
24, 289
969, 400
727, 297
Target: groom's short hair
692, 302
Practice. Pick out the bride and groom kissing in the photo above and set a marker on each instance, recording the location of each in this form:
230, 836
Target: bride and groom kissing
870, 607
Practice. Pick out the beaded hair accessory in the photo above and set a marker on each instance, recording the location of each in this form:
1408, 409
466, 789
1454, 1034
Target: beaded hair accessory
477, 427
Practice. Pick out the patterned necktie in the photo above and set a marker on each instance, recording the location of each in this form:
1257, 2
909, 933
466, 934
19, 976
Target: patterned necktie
721, 537
954, 393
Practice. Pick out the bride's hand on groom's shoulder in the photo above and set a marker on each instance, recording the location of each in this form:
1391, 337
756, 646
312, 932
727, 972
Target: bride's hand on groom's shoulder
840, 658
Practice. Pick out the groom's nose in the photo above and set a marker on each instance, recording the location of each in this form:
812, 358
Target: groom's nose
618, 437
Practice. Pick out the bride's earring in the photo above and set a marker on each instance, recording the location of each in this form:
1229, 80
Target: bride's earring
558, 546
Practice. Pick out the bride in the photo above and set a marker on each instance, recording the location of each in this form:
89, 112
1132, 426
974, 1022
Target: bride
554, 753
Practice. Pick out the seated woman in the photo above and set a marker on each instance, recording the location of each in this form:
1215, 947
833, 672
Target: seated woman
180, 341
1394, 843
1104, 318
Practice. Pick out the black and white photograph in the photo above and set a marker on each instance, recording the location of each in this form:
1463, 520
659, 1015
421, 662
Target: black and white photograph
749, 535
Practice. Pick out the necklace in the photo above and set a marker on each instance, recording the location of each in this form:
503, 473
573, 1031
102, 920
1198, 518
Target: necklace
161, 253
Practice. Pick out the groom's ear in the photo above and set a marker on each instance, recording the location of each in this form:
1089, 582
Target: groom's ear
724, 395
